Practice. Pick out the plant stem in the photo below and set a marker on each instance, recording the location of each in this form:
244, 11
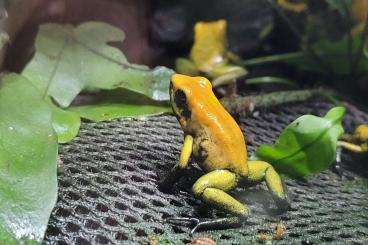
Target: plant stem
271, 58
236, 105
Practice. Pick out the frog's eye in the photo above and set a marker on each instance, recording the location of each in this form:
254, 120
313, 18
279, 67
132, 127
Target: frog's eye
181, 103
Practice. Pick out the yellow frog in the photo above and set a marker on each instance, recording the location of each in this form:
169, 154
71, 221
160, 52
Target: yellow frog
209, 54
216, 142
360, 137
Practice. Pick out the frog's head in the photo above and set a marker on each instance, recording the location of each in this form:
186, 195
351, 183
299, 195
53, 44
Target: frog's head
185, 94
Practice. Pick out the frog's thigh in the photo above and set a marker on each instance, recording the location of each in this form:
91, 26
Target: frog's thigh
259, 171
211, 188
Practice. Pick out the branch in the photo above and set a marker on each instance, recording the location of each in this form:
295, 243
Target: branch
236, 105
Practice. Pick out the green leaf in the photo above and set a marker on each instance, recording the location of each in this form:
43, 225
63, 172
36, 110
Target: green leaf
28, 153
104, 112
65, 123
118, 103
334, 54
307, 145
69, 60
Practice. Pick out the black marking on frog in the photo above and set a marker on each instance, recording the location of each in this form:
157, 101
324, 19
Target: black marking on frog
181, 103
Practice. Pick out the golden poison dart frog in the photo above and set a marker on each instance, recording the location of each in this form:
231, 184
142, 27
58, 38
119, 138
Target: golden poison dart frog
209, 54
216, 142
358, 142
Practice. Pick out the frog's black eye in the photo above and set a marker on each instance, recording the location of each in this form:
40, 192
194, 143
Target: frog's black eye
181, 103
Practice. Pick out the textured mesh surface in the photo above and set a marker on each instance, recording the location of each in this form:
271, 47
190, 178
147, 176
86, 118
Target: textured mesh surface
108, 191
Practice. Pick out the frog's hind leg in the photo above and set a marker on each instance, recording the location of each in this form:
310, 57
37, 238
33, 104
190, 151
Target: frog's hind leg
353, 147
259, 171
211, 188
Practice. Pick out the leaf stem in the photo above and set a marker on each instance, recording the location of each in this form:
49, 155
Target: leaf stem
53, 72
271, 58
237, 105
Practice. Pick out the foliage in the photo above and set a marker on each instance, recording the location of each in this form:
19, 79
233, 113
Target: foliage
104, 112
65, 123
69, 60
307, 145
333, 55
28, 153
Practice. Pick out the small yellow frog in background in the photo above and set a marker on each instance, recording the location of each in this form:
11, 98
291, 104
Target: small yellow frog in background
209, 55
358, 142
216, 142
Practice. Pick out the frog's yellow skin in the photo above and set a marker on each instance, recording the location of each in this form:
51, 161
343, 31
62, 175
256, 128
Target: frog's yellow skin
215, 140
209, 54
360, 137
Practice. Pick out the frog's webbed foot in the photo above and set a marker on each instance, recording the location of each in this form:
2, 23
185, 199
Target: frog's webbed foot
263, 171
207, 224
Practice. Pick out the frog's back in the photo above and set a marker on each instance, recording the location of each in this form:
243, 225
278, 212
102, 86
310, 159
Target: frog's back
209, 49
222, 139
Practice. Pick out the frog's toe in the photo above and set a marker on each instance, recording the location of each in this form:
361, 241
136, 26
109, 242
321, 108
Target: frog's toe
283, 204
207, 224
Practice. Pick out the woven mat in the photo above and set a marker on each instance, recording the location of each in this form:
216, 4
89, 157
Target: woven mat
108, 191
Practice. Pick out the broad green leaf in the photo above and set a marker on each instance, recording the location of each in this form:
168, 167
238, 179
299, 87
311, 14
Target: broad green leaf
307, 145
70, 59
65, 123
104, 112
114, 104
28, 153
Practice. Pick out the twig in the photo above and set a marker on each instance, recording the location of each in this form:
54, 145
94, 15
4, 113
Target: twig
237, 105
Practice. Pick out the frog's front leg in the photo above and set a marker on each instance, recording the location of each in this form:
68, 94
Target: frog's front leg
211, 188
259, 171
176, 171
